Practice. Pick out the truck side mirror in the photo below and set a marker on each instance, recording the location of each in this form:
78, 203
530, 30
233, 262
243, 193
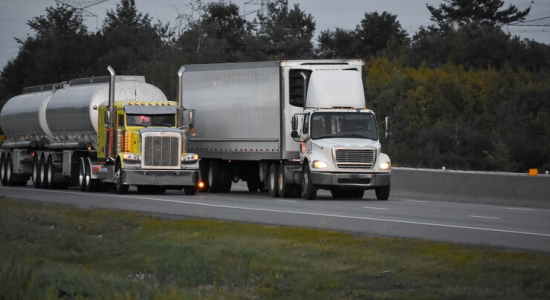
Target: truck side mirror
387, 127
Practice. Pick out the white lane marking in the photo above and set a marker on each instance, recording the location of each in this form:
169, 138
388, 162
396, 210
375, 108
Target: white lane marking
299, 213
416, 201
484, 217
291, 201
519, 208
379, 208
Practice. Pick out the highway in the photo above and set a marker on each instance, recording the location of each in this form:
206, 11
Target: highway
464, 223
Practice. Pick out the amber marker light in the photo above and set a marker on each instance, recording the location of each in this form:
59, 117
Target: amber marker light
200, 185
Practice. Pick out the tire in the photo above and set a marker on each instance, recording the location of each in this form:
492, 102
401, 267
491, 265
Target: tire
383, 193
190, 190
9, 172
253, 185
82, 175
214, 176
43, 170
272, 180
357, 194
36, 172
285, 190
309, 190
204, 168
3, 164
50, 174
92, 185
227, 177
120, 188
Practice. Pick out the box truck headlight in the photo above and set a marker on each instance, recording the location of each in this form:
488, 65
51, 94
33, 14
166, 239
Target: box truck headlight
130, 157
317, 164
385, 166
190, 158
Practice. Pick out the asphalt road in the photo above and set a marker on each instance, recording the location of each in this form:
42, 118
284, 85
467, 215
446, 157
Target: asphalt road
465, 223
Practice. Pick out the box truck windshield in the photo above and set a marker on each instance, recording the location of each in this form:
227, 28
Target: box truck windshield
343, 125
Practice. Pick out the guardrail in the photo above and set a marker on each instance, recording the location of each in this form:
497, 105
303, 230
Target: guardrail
511, 189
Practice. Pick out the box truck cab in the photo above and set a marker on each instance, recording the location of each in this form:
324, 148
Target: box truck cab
340, 150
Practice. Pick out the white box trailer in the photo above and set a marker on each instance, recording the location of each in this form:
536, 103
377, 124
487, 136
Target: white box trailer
253, 125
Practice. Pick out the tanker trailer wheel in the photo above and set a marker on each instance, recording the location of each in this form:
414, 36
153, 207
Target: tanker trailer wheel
272, 180
43, 169
285, 190
50, 174
309, 190
92, 185
82, 175
8, 173
3, 170
383, 193
119, 186
36, 172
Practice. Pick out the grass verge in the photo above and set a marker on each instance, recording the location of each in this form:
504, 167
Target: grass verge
53, 251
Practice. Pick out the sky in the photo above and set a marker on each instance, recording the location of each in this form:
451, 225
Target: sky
328, 14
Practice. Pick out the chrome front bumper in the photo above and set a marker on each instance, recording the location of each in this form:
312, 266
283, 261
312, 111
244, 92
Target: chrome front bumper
360, 180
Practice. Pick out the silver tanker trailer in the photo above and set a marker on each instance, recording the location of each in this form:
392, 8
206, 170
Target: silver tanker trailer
97, 133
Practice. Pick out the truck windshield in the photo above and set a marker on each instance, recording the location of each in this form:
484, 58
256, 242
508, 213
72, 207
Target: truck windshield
343, 125
151, 120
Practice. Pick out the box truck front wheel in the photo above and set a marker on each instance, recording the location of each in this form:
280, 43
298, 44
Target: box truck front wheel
383, 192
309, 190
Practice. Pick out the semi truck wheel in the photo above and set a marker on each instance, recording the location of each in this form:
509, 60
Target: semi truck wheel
82, 175
50, 174
272, 180
383, 193
285, 190
214, 176
309, 190
9, 172
119, 186
43, 169
92, 185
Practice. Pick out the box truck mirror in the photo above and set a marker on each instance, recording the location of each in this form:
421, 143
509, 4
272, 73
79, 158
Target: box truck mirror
294, 123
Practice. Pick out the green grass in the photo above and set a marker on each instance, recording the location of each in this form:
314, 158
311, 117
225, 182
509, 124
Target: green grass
61, 252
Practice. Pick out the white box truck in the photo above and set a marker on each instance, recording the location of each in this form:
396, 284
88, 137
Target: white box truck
288, 127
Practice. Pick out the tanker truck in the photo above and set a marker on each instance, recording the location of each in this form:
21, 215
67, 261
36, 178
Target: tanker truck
97, 133
287, 127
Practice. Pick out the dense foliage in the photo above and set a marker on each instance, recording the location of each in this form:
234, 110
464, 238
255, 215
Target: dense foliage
462, 93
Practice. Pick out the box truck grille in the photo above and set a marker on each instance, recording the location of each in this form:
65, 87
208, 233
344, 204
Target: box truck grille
347, 158
161, 152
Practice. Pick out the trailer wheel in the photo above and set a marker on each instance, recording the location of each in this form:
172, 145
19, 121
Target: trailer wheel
43, 169
285, 190
272, 180
214, 176
9, 172
36, 172
3, 165
81, 175
227, 177
50, 174
309, 190
383, 193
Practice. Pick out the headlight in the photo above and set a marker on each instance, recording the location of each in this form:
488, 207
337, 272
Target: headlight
130, 157
385, 166
191, 157
317, 164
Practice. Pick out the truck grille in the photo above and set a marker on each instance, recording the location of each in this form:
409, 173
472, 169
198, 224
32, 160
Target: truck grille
161, 151
361, 158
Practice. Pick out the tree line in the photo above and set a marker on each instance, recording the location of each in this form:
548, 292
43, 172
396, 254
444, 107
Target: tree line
461, 93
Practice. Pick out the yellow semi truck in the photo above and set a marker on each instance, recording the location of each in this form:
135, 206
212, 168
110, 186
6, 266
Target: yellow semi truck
97, 133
